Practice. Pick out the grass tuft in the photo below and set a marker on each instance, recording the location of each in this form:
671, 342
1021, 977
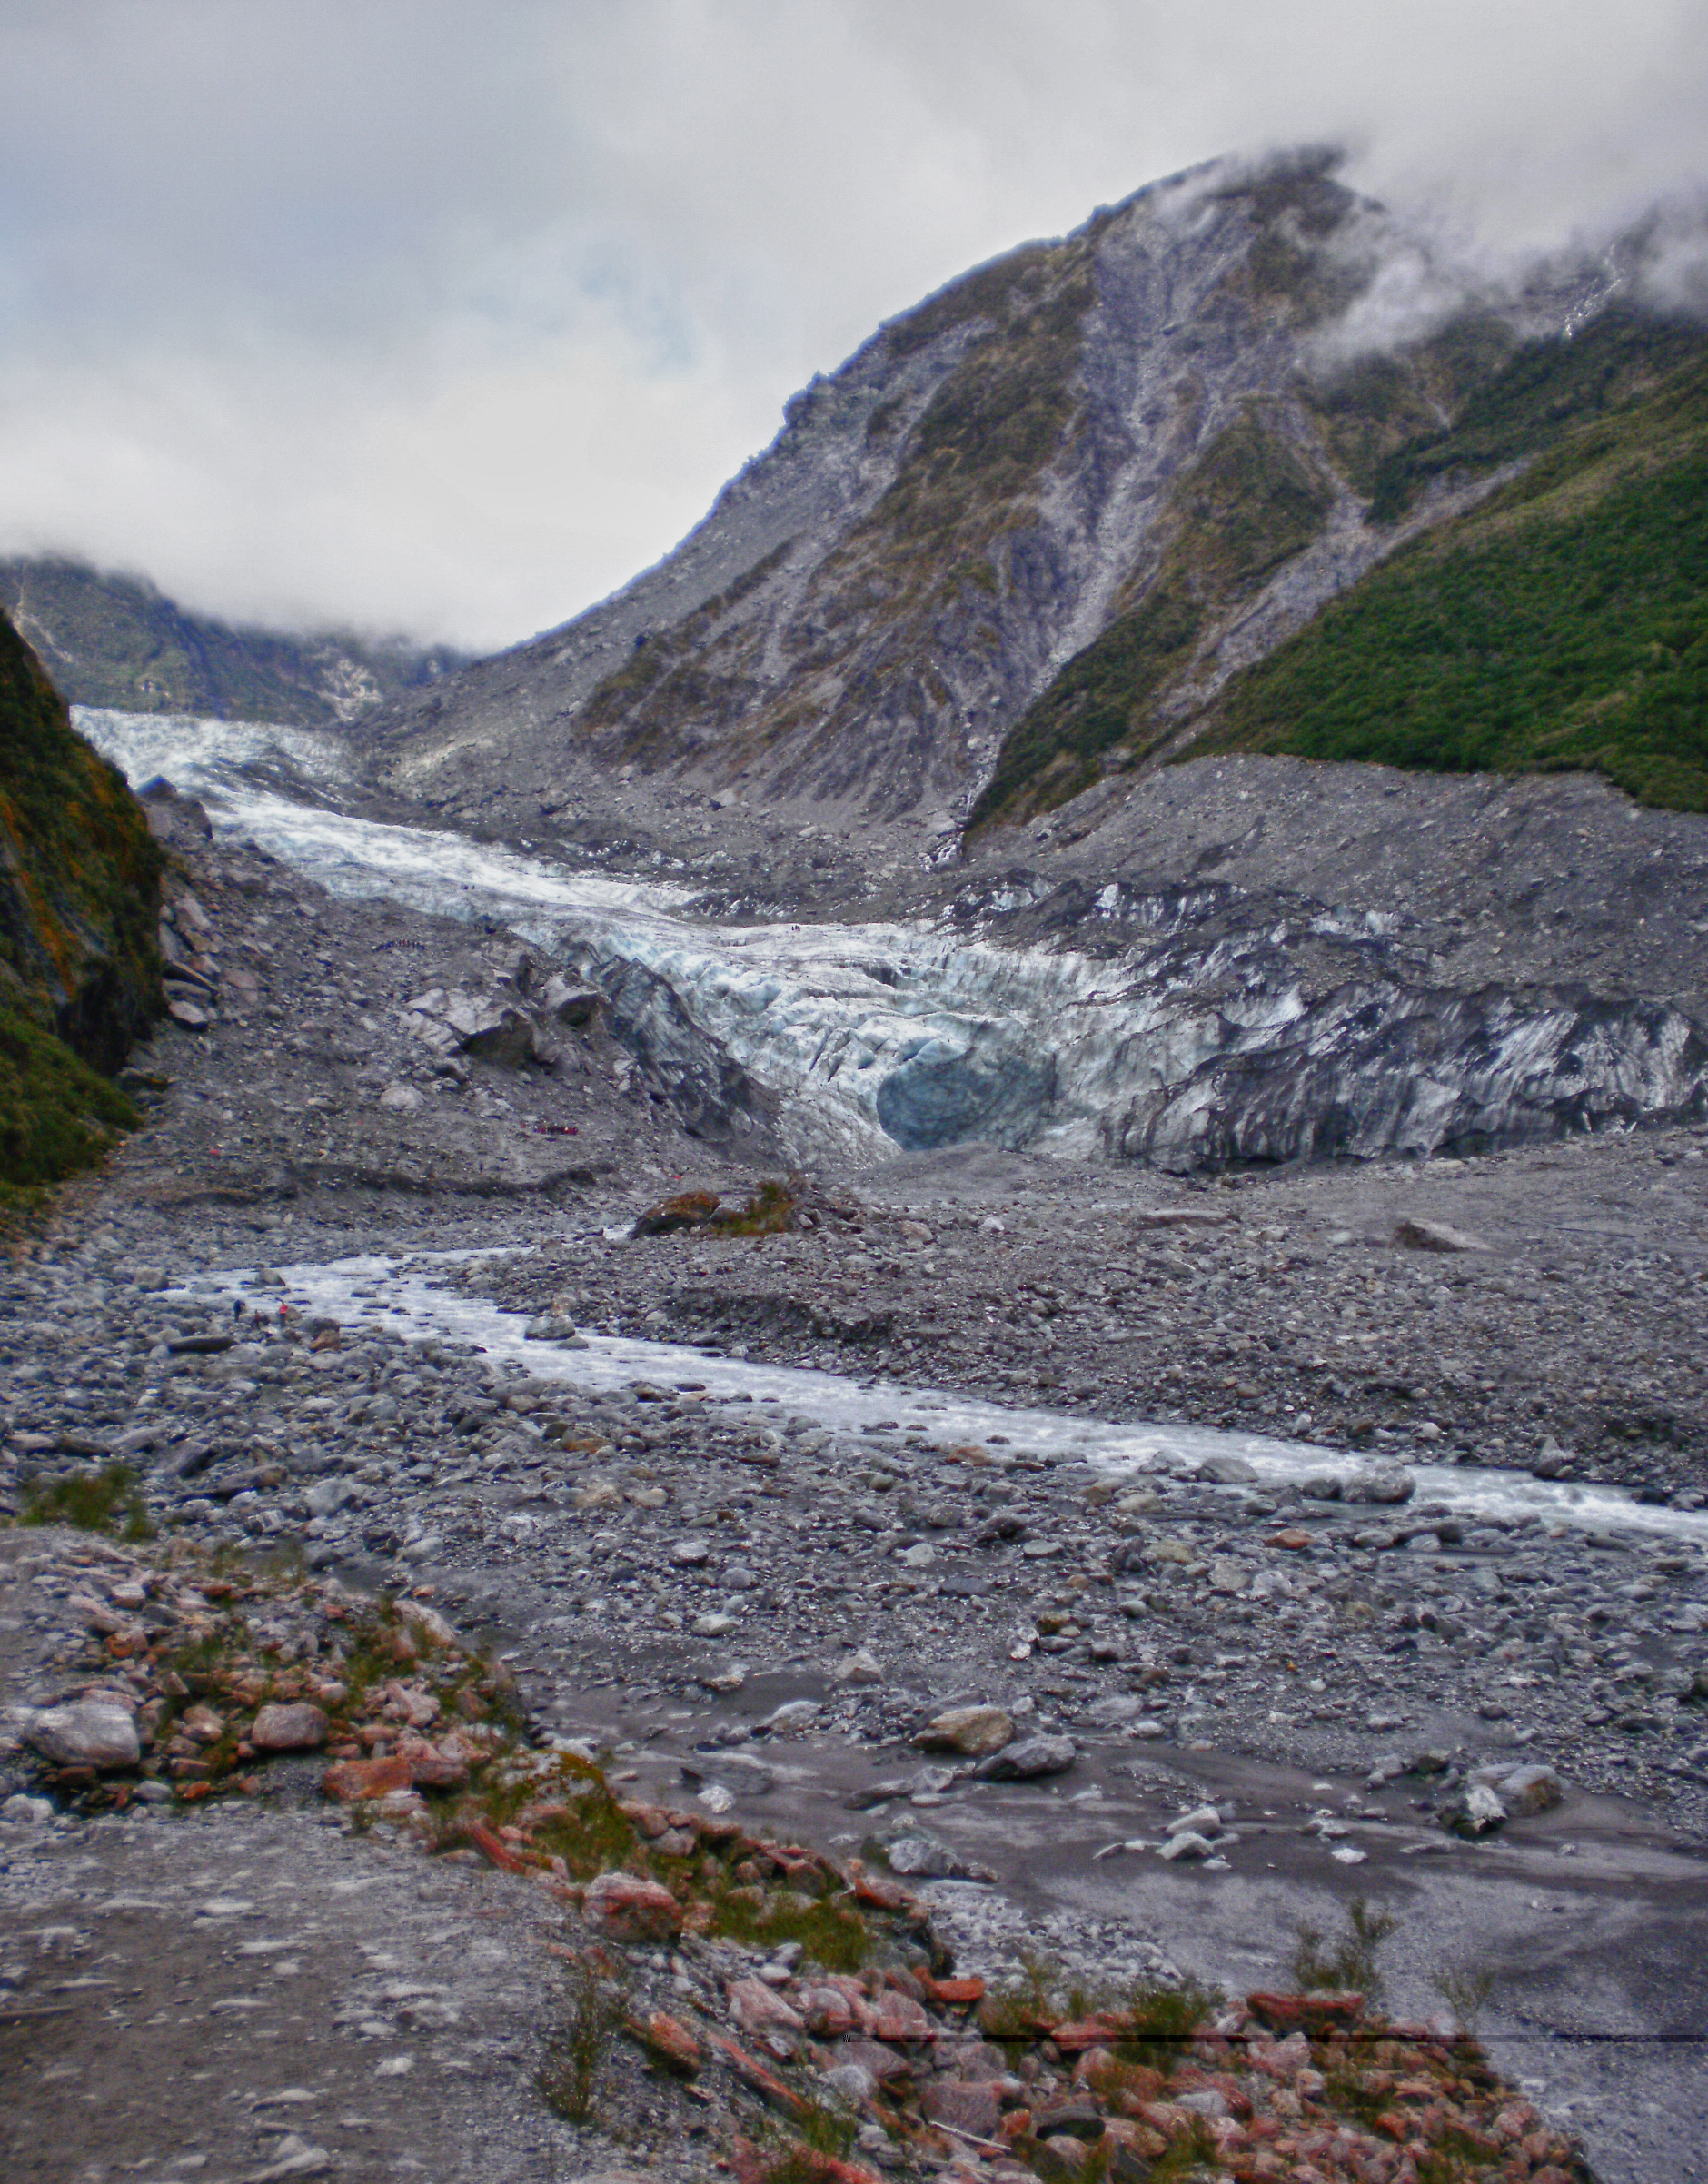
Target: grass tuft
579, 2043
91, 1502
1351, 1964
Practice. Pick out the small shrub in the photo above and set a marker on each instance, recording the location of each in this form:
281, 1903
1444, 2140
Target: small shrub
579, 2044
773, 1209
1466, 1994
1352, 1963
1164, 2019
91, 1502
820, 2133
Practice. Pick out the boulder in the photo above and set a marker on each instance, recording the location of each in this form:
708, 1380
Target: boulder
87, 1732
732, 1770
857, 1669
353, 1782
1523, 1791
687, 1209
1476, 1811
1033, 1757
1315, 2015
973, 1731
918, 1855
574, 1005
301, 1728
670, 2042
491, 1034
1414, 1234
976, 2110
631, 1910
1379, 1482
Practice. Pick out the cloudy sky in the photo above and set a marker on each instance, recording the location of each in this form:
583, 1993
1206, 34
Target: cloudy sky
426, 315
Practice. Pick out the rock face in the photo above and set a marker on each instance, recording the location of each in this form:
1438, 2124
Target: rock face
79, 901
1135, 437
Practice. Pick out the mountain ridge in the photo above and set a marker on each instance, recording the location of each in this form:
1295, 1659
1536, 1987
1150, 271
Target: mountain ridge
1143, 417
115, 640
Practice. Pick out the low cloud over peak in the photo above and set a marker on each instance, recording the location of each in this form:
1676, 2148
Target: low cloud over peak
408, 316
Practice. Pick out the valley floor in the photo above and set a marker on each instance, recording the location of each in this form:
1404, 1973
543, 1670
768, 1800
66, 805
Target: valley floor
742, 1605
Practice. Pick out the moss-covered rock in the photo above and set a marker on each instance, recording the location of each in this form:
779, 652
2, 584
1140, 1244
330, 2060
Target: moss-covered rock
79, 908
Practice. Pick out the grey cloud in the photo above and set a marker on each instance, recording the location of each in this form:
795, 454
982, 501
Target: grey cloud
416, 314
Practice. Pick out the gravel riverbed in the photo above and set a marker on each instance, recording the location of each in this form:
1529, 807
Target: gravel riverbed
772, 1601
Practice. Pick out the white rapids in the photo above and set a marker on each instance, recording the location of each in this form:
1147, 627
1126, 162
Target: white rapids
402, 1297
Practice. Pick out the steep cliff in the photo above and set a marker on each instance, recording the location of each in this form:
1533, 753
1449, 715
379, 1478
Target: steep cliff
1025, 534
79, 907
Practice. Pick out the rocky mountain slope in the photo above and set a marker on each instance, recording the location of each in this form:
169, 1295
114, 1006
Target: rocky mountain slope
111, 640
79, 900
1026, 533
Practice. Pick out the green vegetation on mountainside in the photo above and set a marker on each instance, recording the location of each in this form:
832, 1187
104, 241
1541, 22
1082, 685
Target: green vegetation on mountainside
1560, 624
79, 903
116, 641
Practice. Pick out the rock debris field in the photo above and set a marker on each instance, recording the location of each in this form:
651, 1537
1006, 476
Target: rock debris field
1049, 1733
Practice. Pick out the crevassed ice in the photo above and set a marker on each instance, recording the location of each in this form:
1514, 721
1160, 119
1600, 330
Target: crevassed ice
874, 1034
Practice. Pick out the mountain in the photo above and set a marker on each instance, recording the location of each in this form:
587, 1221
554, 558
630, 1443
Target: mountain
1041, 532
116, 640
1561, 625
79, 907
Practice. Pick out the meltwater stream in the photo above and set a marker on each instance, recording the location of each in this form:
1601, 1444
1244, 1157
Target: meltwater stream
403, 1297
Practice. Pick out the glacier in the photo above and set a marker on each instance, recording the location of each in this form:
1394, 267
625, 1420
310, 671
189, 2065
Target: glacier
1188, 1028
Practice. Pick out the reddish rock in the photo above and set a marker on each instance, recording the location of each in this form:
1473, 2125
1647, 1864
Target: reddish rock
479, 1837
758, 2009
687, 1209
750, 2165
878, 1895
631, 1910
952, 1994
1136, 2139
886, 2066
351, 1781
896, 2017
650, 1820
974, 2109
670, 2041
1076, 2036
433, 1766
301, 1728
754, 2075
1312, 2014
827, 2013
